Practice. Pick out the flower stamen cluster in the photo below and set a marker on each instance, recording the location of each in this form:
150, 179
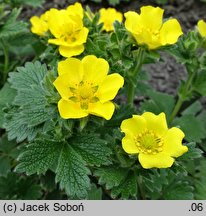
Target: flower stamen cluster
148, 142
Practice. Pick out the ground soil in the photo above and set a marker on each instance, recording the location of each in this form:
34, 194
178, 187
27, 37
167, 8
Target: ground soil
165, 76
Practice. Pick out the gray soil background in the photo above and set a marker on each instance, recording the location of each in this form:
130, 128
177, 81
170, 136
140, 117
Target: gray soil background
164, 76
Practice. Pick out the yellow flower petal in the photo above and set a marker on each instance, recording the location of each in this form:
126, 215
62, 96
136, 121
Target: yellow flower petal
173, 142
108, 17
104, 110
109, 87
61, 84
95, 69
201, 25
69, 109
170, 32
151, 17
71, 51
159, 160
128, 144
132, 21
76, 9
134, 125
81, 37
71, 66
39, 26
148, 28
57, 41
156, 123
56, 20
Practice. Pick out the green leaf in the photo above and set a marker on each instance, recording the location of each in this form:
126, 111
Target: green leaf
94, 193
92, 149
18, 129
167, 184
5, 166
8, 154
153, 182
70, 168
192, 127
180, 190
114, 2
121, 113
159, 102
18, 187
7, 95
12, 27
28, 189
111, 176
193, 109
33, 3
31, 107
193, 152
29, 76
199, 84
127, 189
72, 173
39, 157
48, 181
200, 186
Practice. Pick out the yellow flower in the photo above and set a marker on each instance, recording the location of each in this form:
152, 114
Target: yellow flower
201, 25
76, 9
148, 27
86, 88
69, 32
39, 24
108, 16
148, 136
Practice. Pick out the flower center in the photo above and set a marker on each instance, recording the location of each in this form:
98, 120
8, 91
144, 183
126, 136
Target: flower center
148, 142
84, 93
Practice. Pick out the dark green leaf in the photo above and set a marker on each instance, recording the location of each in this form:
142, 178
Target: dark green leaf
111, 176
127, 189
159, 102
94, 193
33, 3
32, 108
192, 127
200, 186
17, 187
180, 190
193, 152
72, 173
39, 157
7, 95
92, 149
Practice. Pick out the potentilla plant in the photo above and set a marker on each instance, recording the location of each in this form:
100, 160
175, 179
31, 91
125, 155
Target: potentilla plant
74, 117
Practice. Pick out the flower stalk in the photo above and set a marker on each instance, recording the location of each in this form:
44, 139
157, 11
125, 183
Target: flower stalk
184, 92
6, 60
140, 57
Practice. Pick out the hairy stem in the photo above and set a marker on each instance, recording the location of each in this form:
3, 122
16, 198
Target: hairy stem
133, 76
6, 61
183, 94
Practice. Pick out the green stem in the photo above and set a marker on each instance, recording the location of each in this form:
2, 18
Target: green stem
140, 61
132, 79
141, 187
130, 94
183, 95
6, 60
176, 109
